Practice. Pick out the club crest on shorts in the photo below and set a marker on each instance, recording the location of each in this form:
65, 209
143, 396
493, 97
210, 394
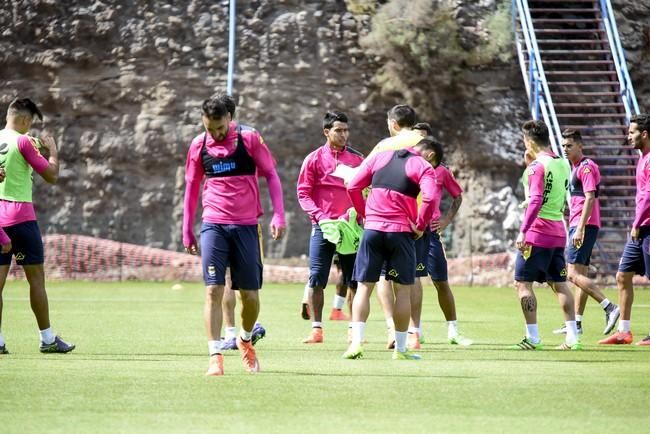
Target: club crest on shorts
393, 273
419, 267
212, 271
20, 256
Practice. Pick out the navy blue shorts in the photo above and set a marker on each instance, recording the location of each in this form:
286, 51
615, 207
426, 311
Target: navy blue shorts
437, 260
543, 265
26, 244
234, 246
396, 249
636, 254
321, 253
421, 254
582, 255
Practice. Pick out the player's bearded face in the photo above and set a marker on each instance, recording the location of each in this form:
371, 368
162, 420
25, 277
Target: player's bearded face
217, 128
635, 136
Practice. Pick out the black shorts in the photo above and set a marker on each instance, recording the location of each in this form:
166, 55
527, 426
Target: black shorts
26, 244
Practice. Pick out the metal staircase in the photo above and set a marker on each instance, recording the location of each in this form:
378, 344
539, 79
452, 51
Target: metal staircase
575, 74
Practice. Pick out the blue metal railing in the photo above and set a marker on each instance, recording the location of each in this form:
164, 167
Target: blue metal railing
618, 56
539, 95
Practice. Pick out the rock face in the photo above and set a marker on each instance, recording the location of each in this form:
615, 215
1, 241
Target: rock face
121, 87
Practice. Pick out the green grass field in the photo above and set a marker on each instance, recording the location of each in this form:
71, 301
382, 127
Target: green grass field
141, 356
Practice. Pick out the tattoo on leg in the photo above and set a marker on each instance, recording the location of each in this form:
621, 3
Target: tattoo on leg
529, 303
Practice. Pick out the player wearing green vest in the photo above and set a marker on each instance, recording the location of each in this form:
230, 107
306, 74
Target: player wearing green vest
20, 156
542, 237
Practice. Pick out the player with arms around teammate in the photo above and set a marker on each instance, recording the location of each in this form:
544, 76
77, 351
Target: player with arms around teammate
542, 237
584, 223
636, 257
392, 224
228, 158
324, 197
19, 157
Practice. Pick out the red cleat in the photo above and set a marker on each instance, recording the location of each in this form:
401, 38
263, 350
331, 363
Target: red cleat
315, 337
338, 315
248, 356
618, 338
215, 368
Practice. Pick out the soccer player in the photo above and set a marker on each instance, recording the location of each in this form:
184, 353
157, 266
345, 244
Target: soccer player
401, 120
423, 128
584, 223
392, 223
323, 196
436, 259
542, 237
635, 258
228, 158
19, 156
341, 295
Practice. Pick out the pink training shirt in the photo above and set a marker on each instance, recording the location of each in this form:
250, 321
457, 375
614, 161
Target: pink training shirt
235, 199
540, 232
445, 180
388, 210
585, 176
13, 213
320, 194
642, 214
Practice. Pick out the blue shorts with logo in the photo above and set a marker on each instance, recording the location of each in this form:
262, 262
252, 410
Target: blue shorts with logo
582, 255
396, 249
321, 253
636, 254
26, 244
543, 265
234, 246
422, 254
437, 259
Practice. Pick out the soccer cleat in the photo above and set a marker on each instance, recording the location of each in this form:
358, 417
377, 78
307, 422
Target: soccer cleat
406, 355
215, 367
58, 346
3, 349
315, 337
258, 333
304, 312
460, 340
413, 342
644, 342
565, 346
618, 338
611, 316
527, 344
562, 330
338, 315
353, 352
248, 356
230, 344
390, 342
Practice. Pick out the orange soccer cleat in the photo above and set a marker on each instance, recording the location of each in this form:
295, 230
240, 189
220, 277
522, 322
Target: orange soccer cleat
248, 356
315, 337
338, 315
215, 368
618, 338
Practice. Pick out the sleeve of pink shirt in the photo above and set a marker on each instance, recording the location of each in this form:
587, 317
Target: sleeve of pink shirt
4, 238
32, 155
643, 206
536, 189
193, 177
451, 185
418, 170
266, 167
305, 188
587, 175
361, 180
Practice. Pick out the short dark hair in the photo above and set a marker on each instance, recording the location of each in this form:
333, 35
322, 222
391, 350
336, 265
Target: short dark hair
642, 120
537, 131
24, 106
572, 134
227, 100
333, 116
424, 126
428, 143
214, 107
403, 114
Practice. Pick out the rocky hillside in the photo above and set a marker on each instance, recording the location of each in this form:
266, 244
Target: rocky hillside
121, 86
